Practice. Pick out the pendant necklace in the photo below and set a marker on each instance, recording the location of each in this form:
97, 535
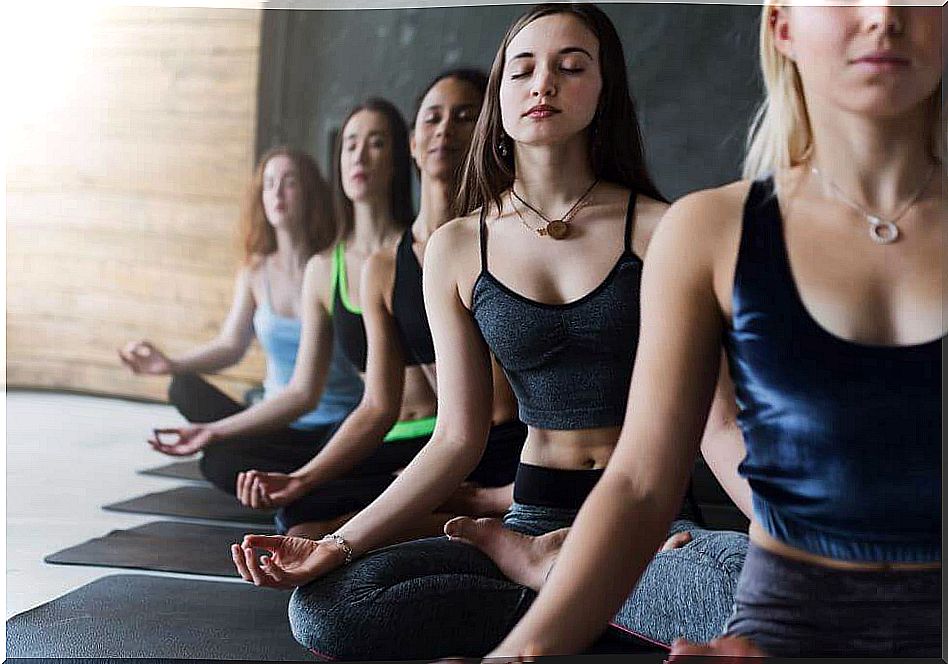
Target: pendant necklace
554, 228
882, 231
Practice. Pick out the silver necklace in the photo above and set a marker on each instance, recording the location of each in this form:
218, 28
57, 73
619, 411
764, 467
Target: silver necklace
882, 231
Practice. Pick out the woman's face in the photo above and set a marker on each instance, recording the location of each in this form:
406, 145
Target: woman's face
878, 59
551, 80
444, 127
366, 159
282, 195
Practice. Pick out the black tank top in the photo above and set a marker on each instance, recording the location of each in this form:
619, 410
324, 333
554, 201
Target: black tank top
569, 364
843, 438
347, 323
408, 306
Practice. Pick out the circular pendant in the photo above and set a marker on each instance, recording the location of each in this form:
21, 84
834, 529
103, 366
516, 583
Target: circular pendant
557, 229
882, 232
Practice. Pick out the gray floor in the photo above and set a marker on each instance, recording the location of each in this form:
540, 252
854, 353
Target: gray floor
66, 456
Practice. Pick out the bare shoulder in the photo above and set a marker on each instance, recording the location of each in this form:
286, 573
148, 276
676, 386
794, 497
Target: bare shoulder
706, 218
453, 254
378, 275
318, 276
648, 212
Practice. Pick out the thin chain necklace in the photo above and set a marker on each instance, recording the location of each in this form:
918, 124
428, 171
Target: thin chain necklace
882, 231
554, 228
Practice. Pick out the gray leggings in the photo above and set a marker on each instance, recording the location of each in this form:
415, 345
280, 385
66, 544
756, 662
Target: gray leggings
434, 598
792, 609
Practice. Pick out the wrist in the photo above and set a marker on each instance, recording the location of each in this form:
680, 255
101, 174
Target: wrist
340, 544
174, 367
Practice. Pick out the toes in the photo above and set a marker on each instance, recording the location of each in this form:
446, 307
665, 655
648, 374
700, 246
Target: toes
458, 527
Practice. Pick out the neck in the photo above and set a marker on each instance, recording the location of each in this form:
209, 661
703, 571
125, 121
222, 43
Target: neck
877, 162
435, 208
553, 176
289, 254
372, 224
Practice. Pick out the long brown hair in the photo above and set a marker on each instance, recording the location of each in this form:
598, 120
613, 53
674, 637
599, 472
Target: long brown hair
616, 147
317, 224
402, 209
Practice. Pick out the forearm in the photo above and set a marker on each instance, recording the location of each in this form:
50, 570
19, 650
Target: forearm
360, 434
209, 358
267, 415
432, 476
611, 542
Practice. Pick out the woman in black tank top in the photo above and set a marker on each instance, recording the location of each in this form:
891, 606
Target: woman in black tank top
397, 346
557, 138
823, 274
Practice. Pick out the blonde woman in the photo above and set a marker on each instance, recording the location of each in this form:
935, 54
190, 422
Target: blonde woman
823, 276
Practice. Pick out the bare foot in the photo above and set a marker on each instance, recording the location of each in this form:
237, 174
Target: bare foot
473, 500
522, 558
723, 650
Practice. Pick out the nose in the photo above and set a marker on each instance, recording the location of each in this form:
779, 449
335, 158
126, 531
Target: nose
881, 16
544, 83
444, 127
360, 153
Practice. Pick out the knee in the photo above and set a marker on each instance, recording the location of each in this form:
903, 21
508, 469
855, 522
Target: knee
181, 386
217, 470
328, 615
725, 547
311, 623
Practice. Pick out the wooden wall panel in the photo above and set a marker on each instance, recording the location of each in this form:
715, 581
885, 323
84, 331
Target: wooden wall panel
123, 194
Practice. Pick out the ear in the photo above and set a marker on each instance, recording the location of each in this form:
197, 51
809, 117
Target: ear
411, 143
780, 28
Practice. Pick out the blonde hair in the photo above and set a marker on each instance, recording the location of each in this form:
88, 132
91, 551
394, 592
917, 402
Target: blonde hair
780, 134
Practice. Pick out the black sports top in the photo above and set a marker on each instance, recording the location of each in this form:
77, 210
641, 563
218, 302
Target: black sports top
347, 323
569, 364
843, 439
408, 306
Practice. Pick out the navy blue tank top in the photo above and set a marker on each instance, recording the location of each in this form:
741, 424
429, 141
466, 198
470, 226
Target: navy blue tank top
569, 364
843, 439
408, 306
347, 323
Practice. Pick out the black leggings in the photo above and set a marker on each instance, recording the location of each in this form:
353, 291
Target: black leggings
366, 482
283, 450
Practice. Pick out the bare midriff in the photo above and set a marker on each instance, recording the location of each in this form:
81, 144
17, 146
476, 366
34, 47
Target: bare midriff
418, 398
581, 449
765, 541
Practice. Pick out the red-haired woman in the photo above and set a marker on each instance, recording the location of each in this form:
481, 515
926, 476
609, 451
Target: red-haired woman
287, 217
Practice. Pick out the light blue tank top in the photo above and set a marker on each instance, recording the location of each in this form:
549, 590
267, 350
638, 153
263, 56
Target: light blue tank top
280, 338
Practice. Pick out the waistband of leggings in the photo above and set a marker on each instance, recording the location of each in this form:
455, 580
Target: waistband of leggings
411, 429
554, 487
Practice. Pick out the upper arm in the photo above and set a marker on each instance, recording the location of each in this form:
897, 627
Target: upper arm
237, 329
462, 356
385, 362
315, 349
678, 354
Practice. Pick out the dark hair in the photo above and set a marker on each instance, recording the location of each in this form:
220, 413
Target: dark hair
475, 77
402, 209
616, 147
317, 224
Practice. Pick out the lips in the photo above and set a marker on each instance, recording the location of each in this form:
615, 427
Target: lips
541, 111
882, 60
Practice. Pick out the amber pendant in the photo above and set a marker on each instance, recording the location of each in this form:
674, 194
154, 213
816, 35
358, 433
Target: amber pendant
557, 229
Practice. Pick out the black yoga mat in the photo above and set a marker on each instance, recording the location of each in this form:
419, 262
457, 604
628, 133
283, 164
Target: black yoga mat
134, 616
196, 502
179, 470
164, 546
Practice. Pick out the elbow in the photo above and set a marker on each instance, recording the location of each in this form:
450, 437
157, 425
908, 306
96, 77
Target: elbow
381, 412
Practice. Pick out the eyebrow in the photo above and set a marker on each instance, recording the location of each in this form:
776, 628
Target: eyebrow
435, 107
377, 132
563, 51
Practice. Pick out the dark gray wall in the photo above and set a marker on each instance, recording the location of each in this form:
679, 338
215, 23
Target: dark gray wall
693, 71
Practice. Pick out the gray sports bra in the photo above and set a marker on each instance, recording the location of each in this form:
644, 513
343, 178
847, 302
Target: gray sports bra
569, 364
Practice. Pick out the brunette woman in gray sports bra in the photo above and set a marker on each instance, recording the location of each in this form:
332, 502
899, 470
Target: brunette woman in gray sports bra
543, 270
